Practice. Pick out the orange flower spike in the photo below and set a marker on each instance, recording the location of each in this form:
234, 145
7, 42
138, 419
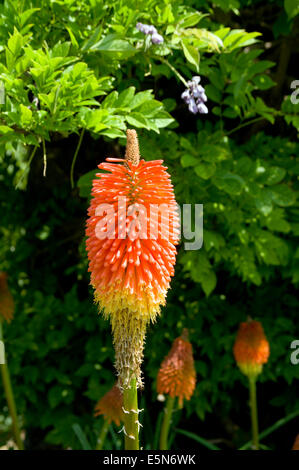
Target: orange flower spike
130, 268
251, 348
111, 406
6, 299
296, 443
177, 376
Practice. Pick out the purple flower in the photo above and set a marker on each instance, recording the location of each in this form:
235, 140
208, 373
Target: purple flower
152, 30
193, 106
144, 28
195, 96
157, 39
202, 108
149, 29
196, 79
186, 96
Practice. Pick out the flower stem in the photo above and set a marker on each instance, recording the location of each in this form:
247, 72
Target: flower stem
102, 436
10, 399
27, 166
166, 423
131, 417
253, 410
174, 70
75, 158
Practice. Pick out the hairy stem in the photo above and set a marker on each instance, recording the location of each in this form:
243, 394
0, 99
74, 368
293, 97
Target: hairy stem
166, 423
253, 411
131, 416
10, 399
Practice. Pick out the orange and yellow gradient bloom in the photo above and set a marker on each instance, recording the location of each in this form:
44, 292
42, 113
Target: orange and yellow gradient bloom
111, 406
130, 267
251, 348
177, 376
6, 299
296, 443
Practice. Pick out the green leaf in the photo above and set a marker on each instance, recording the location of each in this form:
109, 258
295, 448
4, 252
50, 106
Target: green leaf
264, 201
187, 161
205, 170
283, 195
161, 120
25, 115
276, 222
72, 37
112, 43
230, 183
81, 437
213, 240
275, 174
209, 282
197, 438
137, 120
191, 19
263, 82
15, 43
292, 8
110, 100
24, 17
145, 97
125, 98
5, 130
191, 53
213, 93
85, 183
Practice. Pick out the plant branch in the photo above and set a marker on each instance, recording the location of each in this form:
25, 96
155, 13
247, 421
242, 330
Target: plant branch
75, 158
10, 398
253, 411
166, 423
102, 435
28, 166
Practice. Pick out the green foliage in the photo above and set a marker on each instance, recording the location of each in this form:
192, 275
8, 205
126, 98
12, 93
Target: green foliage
68, 67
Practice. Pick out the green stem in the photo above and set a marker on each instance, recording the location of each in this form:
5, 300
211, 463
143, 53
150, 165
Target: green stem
102, 436
44, 157
274, 427
166, 423
131, 417
10, 399
253, 410
244, 124
75, 157
180, 77
27, 166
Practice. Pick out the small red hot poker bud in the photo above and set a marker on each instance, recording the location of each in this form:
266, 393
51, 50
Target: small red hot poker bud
251, 348
177, 376
296, 443
6, 299
111, 406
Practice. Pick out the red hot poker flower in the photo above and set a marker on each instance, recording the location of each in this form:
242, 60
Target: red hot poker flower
177, 376
132, 230
251, 348
111, 406
296, 443
6, 299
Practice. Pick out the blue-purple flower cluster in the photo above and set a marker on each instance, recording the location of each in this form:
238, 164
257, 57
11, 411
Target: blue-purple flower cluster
151, 30
195, 96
